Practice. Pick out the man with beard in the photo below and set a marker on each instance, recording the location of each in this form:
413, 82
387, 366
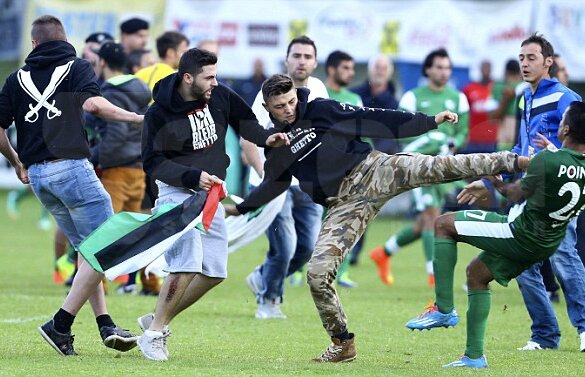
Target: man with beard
183, 148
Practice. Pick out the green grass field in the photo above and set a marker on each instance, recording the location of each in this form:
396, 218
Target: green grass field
219, 336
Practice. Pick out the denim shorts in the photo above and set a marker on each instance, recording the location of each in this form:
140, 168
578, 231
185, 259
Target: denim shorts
71, 191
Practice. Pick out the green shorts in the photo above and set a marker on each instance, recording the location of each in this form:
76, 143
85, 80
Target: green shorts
504, 256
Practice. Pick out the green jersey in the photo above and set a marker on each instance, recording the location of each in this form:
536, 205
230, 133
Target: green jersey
345, 96
556, 181
431, 103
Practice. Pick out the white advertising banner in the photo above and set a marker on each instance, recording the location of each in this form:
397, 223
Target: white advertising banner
405, 29
563, 24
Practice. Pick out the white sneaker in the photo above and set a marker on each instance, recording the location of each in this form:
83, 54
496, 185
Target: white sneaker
153, 345
582, 347
531, 346
254, 281
144, 323
269, 310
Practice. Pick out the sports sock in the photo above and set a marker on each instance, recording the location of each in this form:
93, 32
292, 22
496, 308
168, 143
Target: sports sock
444, 267
63, 320
428, 238
404, 237
343, 267
104, 320
478, 309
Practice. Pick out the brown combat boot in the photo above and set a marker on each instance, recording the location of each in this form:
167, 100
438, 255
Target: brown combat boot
338, 351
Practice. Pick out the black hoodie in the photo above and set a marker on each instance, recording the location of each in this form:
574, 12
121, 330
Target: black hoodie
183, 138
325, 146
56, 133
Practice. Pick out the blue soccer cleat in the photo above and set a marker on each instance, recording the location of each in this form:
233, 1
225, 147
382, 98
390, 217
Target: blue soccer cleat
466, 362
432, 318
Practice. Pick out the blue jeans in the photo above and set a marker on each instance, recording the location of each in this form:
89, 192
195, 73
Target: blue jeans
570, 272
73, 194
292, 237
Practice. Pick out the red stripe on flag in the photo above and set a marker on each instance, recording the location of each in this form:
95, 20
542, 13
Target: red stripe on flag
214, 196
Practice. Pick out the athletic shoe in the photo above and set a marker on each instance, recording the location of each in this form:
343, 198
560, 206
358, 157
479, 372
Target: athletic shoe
269, 310
153, 345
12, 205
254, 281
582, 347
339, 351
127, 289
383, 261
296, 279
144, 323
466, 362
531, 346
117, 338
62, 343
432, 318
344, 281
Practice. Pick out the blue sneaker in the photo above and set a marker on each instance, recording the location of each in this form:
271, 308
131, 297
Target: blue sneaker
466, 362
432, 318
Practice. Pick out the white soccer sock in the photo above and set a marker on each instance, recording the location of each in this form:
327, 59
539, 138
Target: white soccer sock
391, 247
430, 270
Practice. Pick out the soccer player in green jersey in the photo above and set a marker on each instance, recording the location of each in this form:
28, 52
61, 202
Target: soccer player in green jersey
554, 187
432, 98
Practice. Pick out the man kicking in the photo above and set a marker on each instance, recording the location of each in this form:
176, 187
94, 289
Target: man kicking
340, 171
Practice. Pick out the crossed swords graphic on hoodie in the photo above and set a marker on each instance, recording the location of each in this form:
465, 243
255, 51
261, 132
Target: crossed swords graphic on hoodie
25, 81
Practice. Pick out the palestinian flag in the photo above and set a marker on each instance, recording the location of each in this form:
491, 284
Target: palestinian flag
128, 241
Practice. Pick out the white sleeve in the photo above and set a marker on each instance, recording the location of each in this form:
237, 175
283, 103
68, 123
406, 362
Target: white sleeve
408, 102
260, 112
317, 88
463, 104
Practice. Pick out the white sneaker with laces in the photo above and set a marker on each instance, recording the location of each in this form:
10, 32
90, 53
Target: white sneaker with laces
144, 324
582, 336
153, 345
269, 310
531, 346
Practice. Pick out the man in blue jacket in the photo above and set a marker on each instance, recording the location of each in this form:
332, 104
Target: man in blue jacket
542, 106
340, 171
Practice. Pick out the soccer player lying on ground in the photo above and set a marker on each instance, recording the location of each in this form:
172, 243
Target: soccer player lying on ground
553, 186
340, 171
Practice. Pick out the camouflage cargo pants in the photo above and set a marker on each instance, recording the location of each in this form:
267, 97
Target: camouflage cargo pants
361, 195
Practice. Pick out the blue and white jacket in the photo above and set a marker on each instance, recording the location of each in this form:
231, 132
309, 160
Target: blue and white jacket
542, 112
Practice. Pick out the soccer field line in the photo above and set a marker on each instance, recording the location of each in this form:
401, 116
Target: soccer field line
13, 321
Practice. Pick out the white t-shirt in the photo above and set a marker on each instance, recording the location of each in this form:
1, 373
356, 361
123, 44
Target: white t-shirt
318, 90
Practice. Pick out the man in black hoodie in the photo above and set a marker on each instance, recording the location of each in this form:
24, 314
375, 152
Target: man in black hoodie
340, 171
183, 148
46, 99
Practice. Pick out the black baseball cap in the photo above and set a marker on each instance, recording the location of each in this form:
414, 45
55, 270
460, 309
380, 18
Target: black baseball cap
99, 37
133, 25
113, 53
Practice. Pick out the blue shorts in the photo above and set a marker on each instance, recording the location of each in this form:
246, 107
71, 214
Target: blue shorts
74, 195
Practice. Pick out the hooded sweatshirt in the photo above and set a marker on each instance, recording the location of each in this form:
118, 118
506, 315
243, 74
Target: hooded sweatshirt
120, 143
44, 99
183, 138
325, 145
